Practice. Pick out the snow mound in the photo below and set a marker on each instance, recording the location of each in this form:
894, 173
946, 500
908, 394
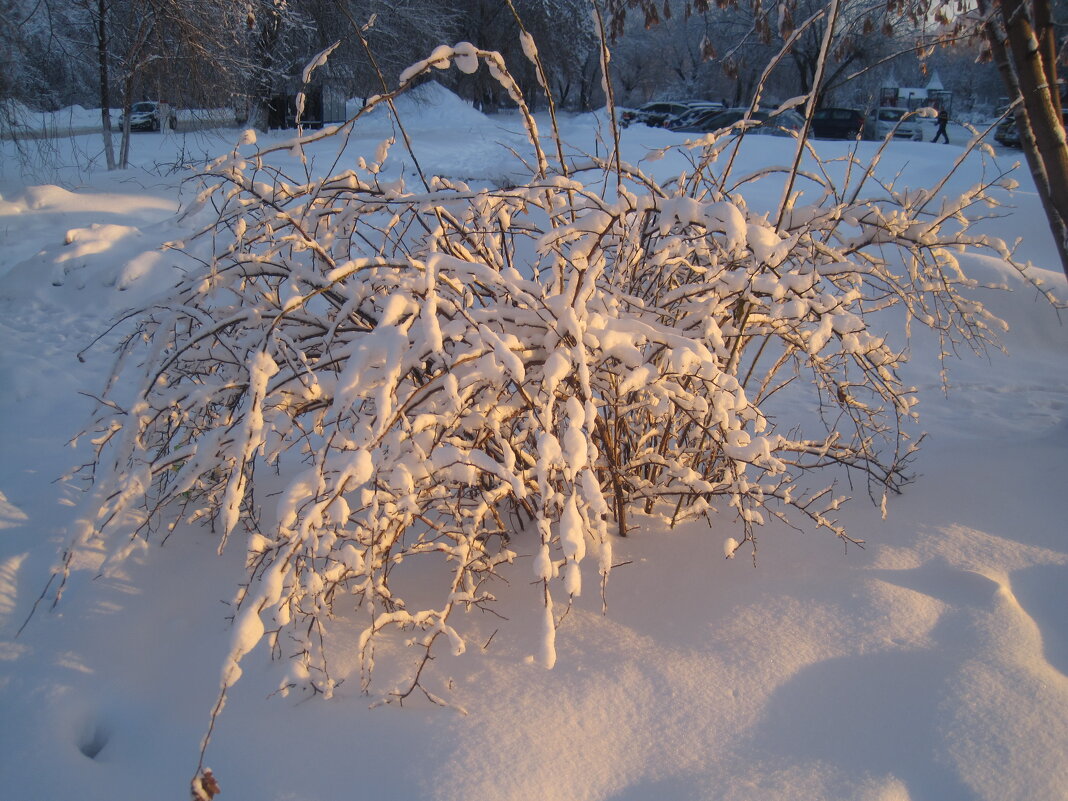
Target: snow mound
429, 105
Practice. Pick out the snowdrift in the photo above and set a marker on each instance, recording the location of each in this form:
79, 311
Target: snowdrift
931, 664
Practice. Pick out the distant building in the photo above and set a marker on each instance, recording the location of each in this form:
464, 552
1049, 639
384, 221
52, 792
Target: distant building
324, 99
324, 104
934, 95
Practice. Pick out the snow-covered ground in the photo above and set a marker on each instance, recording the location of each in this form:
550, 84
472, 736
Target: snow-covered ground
929, 666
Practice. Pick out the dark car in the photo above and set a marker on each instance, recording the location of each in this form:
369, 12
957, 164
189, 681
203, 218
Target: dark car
148, 115
783, 123
837, 123
1007, 133
693, 112
654, 114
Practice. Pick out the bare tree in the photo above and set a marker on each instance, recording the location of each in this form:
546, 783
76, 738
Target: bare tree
271, 42
866, 33
567, 42
41, 57
166, 50
399, 32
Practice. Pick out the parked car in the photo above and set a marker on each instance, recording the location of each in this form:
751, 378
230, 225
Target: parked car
694, 111
892, 121
148, 115
783, 123
654, 114
1007, 133
837, 123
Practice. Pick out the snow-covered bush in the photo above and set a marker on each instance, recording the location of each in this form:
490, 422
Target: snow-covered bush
362, 378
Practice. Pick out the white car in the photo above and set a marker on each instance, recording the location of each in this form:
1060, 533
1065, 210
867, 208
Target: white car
891, 121
149, 115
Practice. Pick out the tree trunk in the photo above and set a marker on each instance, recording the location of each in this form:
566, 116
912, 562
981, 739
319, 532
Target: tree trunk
1027, 140
1047, 39
1041, 103
127, 104
105, 87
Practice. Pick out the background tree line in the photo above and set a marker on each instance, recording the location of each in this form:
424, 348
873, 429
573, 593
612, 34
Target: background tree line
227, 53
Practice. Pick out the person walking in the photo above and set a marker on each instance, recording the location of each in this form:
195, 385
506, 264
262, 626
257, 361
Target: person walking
943, 120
